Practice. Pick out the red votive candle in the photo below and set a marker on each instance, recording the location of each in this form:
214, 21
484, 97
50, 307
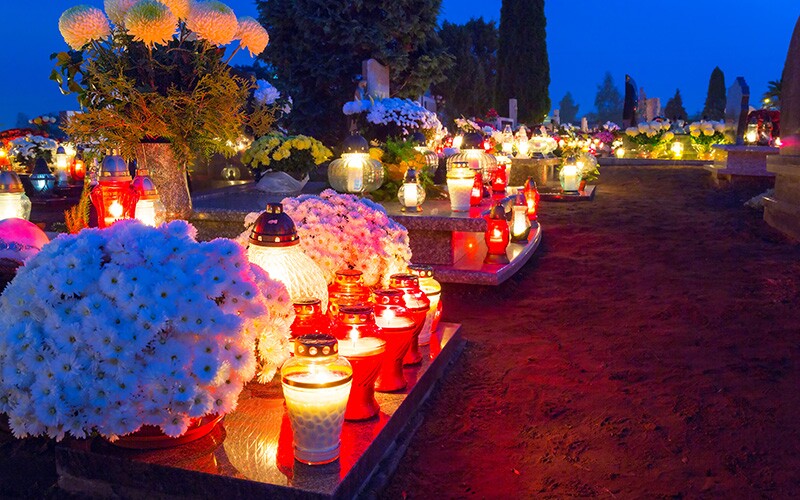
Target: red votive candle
418, 304
397, 328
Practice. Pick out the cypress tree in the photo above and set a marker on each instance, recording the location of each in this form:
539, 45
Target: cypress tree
674, 109
317, 46
568, 110
523, 69
714, 108
608, 101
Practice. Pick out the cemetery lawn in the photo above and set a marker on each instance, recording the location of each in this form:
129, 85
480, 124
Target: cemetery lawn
652, 349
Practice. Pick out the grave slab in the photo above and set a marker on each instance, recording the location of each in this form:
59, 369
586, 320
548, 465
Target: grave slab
558, 195
742, 160
249, 455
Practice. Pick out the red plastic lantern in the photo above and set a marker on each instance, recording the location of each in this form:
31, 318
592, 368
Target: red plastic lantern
418, 305
497, 236
433, 290
114, 197
476, 195
397, 328
347, 289
499, 179
309, 318
531, 198
78, 168
360, 342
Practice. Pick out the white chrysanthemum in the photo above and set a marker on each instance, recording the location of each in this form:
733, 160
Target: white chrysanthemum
151, 22
213, 21
82, 24
252, 35
178, 7
116, 9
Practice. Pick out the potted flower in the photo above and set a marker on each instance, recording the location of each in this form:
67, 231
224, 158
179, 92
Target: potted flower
651, 138
153, 81
704, 135
295, 156
130, 328
381, 119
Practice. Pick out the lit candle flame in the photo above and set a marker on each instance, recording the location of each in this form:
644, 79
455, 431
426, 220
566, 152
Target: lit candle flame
115, 209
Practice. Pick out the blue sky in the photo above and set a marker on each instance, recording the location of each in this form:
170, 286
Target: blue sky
663, 45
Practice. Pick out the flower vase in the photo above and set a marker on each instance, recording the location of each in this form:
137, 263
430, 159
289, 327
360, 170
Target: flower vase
150, 437
169, 176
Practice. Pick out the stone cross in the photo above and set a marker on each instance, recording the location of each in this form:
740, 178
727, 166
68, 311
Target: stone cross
737, 107
629, 118
376, 75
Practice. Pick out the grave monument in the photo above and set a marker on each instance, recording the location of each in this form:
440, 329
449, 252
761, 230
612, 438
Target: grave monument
631, 105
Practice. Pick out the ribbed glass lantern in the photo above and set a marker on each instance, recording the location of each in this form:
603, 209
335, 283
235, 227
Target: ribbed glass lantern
114, 197
411, 194
275, 247
355, 172
472, 153
13, 202
149, 209
421, 145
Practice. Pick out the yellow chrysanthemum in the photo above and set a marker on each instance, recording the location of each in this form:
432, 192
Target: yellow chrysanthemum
252, 36
116, 9
151, 22
213, 21
178, 7
82, 24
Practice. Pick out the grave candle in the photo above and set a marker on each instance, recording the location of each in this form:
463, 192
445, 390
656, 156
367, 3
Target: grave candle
347, 289
149, 209
308, 317
61, 167
496, 236
316, 384
418, 304
569, 175
396, 328
677, 150
460, 180
520, 224
13, 202
532, 198
114, 196
411, 194
433, 290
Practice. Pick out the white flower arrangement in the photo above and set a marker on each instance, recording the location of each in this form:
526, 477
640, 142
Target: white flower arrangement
30, 147
341, 231
405, 114
112, 329
651, 133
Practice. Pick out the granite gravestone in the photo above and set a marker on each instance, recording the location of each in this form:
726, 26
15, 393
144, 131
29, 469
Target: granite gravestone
631, 103
376, 75
737, 108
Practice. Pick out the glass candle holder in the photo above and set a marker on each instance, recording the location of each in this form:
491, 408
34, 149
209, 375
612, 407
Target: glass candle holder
309, 318
411, 194
532, 198
476, 194
78, 168
316, 384
13, 202
460, 179
360, 343
114, 197
496, 236
520, 224
418, 305
433, 290
355, 172
499, 179
149, 210
42, 178
569, 175
347, 289
397, 328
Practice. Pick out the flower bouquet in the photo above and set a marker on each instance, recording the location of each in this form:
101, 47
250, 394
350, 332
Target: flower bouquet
704, 134
25, 150
341, 231
109, 330
393, 117
297, 155
651, 138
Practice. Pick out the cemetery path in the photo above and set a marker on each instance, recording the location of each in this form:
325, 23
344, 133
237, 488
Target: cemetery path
651, 350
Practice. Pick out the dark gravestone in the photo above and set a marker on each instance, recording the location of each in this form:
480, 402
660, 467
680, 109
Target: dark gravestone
631, 103
790, 98
737, 107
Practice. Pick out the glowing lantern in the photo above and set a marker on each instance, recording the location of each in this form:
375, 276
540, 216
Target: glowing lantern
496, 236
521, 141
520, 224
397, 328
347, 289
316, 384
499, 179
275, 247
78, 168
411, 194
4, 161
538, 145
620, 152
355, 171
508, 141
476, 194
458, 141
359, 342
13, 202
460, 179
570, 175
42, 178
61, 167
421, 146
309, 318
677, 150
777, 143
418, 305
433, 290
473, 153
751, 134
532, 198
149, 209
114, 197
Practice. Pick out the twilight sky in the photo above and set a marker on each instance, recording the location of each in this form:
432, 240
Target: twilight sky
663, 45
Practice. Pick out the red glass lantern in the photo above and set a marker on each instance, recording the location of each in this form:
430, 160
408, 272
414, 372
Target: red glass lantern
347, 289
531, 198
397, 328
78, 168
361, 343
114, 197
476, 195
418, 305
433, 290
308, 318
497, 236
499, 179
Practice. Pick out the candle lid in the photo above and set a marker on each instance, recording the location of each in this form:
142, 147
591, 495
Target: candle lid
472, 140
403, 280
355, 144
144, 184
41, 170
115, 169
388, 296
316, 345
420, 270
359, 314
274, 228
348, 275
307, 305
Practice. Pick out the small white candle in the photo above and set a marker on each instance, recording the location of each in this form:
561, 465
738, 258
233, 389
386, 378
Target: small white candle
410, 195
570, 173
459, 186
355, 171
360, 347
146, 212
519, 220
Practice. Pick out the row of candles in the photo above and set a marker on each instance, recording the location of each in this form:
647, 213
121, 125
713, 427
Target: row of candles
361, 345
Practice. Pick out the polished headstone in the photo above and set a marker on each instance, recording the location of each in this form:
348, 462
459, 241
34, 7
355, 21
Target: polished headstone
737, 108
631, 105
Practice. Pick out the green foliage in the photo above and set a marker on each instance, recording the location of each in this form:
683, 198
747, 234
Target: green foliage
523, 68
608, 101
674, 109
568, 109
714, 108
470, 83
399, 155
773, 93
317, 48
183, 92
